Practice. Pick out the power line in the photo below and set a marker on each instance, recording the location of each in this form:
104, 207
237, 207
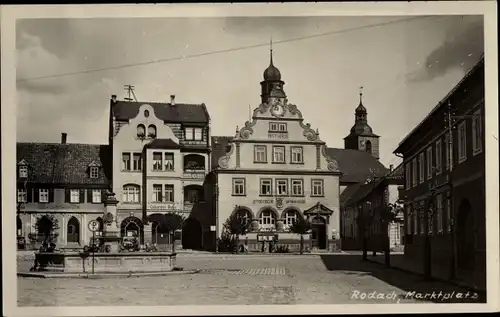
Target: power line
241, 48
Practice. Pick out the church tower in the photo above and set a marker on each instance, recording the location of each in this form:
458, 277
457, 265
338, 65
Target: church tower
362, 137
272, 83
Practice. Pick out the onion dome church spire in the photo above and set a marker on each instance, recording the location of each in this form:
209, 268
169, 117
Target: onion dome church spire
361, 136
272, 83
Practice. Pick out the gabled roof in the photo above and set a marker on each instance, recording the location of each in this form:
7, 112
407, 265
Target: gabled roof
220, 146
65, 164
179, 113
356, 166
162, 144
349, 191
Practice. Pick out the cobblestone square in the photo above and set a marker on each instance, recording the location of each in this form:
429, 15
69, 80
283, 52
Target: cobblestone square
242, 280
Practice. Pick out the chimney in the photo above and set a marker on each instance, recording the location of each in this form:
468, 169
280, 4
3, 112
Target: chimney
391, 167
113, 98
64, 136
172, 100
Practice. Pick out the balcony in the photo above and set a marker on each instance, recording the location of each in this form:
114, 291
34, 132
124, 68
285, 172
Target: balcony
194, 167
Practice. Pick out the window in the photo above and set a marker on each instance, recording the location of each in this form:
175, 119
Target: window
267, 217
266, 187
157, 161
169, 161
429, 162
277, 127
157, 193
152, 131
141, 131
23, 171
137, 162
189, 133
169, 193
477, 133
238, 187
192, 195
131, 194
43, 195
94, 172
198, 134
448, 218
74, 196
317, 188
421, 167
281, 187
193, 134
297, 187
414, 175
22, 195
447, 152
260, 153
290, 218
408, 175
297, 154
415, 219
278, 154
439, 213
462, 145
96, 196
439, 156
125, 161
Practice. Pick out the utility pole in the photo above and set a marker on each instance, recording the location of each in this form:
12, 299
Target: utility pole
130, 93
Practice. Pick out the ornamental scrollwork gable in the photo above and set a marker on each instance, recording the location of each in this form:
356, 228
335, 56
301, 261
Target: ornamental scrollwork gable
224, 160
309, 132
332, 164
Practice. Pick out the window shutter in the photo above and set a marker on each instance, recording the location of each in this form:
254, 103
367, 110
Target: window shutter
89, 195
51, 195
82, 196
37, 195
67, 195
29, 194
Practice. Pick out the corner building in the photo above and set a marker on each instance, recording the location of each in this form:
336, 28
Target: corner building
160, 160
275, 170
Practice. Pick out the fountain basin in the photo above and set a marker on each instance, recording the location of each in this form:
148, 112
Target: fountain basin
122, 262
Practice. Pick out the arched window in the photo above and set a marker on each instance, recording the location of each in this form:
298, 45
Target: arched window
290, 217
73, 235
267, 219
152, 131
369, 147
131, 193
141, 130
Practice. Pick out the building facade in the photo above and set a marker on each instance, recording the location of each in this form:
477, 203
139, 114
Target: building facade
60, 188
445, 183
160, 158
274, 170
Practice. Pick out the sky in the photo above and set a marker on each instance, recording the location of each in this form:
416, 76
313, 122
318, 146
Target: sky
405, 69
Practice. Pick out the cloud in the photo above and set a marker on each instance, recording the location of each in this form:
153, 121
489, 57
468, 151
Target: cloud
461, 48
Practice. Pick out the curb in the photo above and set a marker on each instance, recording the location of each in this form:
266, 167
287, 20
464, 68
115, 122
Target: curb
451, 282
104, 275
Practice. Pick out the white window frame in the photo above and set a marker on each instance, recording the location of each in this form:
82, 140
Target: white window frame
168, 161
139, 162
439, 213
414, 174
290, 217
297, 155
23, 171
131, 194
317, 188
94, 172
266, 182
22, 195
157, 162
297, 187
260, 153
277, 127
462, 142
279, 151
43, 195
421, 168
439, 156
429, 162
281, 187
157, 193
198, 134
408, 175
477, 127
126, 161
96, 196
189, 134
74, 196
239, 187
168, 193
267, 219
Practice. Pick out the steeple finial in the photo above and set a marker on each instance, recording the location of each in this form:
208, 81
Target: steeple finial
271, 50
361, 95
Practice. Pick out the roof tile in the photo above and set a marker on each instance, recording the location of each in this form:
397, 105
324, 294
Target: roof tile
184, 113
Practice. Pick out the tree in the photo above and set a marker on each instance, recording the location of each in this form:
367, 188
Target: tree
171, 223
236, 225
45, 226
300, 227
390, 214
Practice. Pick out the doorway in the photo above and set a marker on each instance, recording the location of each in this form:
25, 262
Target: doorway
192, 234
318, 232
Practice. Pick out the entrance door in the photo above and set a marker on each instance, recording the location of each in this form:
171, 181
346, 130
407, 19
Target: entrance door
73, 233
319, 232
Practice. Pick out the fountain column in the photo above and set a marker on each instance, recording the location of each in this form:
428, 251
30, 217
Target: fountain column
111, 231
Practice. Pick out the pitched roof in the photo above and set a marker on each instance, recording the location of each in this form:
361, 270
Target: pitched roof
356, 166
349, 191
220, 146
68, 164
162, 144
188, 113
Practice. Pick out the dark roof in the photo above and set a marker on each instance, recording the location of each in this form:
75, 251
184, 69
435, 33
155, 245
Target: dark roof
220, 146
443, 103
68, 164
348, 192
162, 144
397, 173
188, 113
356, 166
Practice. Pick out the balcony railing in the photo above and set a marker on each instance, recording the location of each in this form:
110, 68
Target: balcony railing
191, 173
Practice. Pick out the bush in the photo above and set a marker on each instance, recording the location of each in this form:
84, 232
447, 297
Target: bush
225, 244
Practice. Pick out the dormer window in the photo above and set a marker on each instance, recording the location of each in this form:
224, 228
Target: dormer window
141, 131
193, 134
94, 172
152, 131
23, 171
